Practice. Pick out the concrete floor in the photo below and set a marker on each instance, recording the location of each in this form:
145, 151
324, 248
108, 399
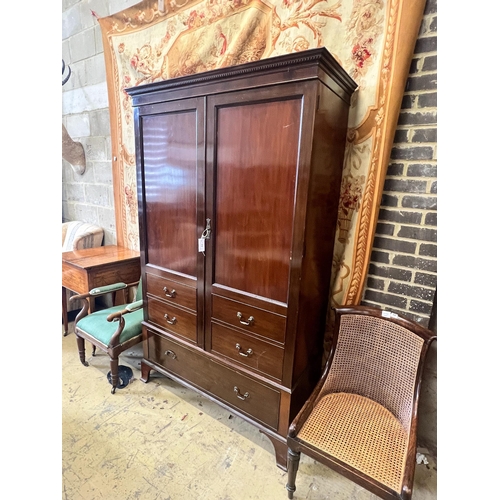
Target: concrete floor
160, 441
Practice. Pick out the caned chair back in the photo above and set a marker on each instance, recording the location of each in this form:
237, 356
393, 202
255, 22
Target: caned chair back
378, 360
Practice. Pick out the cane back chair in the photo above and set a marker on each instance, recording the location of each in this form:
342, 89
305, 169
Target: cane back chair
361, 419
113, 330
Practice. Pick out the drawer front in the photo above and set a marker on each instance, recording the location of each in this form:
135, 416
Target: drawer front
258, 401
238, 314
171, 291
115, 273
259, 355
173, 319
74, 279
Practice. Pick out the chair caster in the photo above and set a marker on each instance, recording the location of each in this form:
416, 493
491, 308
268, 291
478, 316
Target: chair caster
125, 374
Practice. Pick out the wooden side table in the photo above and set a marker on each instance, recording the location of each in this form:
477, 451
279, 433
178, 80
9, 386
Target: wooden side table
85, 269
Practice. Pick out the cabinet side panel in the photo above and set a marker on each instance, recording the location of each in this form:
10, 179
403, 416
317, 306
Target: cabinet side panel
322, 210
170, 153
256, 151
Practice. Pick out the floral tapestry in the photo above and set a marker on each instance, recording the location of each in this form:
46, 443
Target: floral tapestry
373, 40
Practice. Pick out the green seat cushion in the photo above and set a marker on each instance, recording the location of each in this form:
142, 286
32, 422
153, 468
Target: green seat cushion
97, 326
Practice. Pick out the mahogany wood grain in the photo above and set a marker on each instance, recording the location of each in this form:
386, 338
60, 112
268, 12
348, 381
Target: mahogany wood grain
256, 171
251, 352
260, 150
172, 291
313, 64
259, 401
321, 212
264, 323
89, 268
170, 185
85, 269
248, 298
178, 321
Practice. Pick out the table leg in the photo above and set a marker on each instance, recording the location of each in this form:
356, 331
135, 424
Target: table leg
64, 311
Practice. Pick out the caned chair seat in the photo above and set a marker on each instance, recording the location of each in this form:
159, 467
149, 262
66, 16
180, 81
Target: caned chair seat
361, 419
354, 429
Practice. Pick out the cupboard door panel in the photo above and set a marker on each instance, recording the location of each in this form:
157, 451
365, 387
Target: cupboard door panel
256, 155
170, 185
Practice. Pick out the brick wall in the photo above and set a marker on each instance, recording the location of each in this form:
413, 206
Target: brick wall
402, 275
403, 267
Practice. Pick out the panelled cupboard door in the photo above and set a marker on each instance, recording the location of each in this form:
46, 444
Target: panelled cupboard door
172, 196
254, 162
256, 151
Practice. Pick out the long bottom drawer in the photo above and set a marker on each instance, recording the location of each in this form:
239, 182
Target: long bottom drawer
258, 401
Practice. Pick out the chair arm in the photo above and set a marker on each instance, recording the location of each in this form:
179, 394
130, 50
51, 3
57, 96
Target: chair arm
305, 411
308, 406
119, 316
96, 292
102, 290
134, 306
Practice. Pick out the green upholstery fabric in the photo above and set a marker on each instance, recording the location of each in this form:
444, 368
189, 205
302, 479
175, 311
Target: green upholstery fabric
108, 288
135, 305
97, 326
139, 290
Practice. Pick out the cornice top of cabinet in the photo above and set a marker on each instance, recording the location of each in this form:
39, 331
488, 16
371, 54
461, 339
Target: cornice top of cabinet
305, 65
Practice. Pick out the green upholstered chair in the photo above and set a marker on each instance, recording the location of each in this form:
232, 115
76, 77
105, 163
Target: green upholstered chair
113, 330
77, 235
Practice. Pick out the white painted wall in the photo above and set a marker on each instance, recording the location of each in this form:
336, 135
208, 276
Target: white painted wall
85, 114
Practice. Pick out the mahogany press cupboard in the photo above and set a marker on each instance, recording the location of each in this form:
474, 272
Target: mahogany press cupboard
238, 180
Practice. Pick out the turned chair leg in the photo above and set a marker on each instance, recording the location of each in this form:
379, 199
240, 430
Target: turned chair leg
293, 467
81, 350
64, 311
114, 374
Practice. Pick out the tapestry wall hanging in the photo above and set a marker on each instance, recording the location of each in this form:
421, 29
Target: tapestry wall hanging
372, 39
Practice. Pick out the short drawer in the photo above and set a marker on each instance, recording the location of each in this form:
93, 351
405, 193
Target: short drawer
259, 355
171, 291
74, 279
173, 319
252, 398
251, 319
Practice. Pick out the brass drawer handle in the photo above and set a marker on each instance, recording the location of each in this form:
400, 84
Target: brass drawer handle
246, 323
172, 321
171, 294
245, 354
239, 395
171, 353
